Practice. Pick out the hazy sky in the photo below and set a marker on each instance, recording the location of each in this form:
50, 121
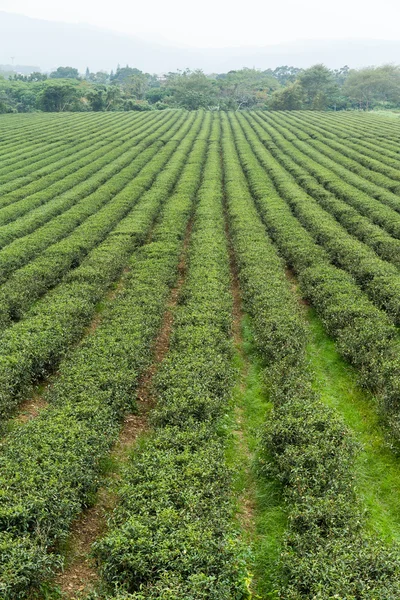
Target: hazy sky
218, 23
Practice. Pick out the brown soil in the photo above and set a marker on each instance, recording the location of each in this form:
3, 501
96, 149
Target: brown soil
109, 297
294, 284
31, 407
80, 574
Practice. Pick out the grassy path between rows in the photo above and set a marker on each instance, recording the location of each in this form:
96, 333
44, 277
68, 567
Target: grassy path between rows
377, 466
261, 515
261, 512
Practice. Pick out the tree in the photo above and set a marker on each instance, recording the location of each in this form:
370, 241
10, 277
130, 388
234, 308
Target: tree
138, 105
59, 96
37, 76
372, 85
65, 73
156, 94
284, 74
191, 90
246, 88
97, 98
121, 75
100, 77
319, 87
136, 85
341, 75
5, 105
113, 98
289, 98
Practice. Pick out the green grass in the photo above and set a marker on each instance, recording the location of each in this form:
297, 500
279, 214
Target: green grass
377, 467
390, 112
264, 527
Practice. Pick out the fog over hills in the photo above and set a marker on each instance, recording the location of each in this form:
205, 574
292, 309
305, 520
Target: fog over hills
50, 44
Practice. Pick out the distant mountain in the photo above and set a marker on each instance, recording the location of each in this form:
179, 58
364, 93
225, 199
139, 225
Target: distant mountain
50, 44
21, 69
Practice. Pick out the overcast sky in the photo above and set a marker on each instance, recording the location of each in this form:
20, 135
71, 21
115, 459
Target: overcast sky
218, 23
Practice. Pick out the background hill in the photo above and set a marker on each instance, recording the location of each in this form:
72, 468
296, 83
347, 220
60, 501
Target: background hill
50, 44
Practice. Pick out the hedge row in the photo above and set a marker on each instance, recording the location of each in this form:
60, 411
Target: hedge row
35, 143
33, 153
305, 445
361, 227
96, 143
356, 125
172, 534
381, 191
302, 169
51, 466
371, 134
368, 164
372, 156
379, 279
32, 348
363, 333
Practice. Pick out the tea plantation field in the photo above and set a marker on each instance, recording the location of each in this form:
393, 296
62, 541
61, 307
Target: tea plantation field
199, 356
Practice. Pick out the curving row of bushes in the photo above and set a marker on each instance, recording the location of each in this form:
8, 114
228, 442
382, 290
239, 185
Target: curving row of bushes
111, 160
26, 276
381, 190
382, 170
38, 179
358, 225
375, 156
50, 467
33, 153
374, 200
27, 203
360, 126
325, 552
364, 227
34, 132
379, 279
33, 347
379, 135
35, 142
32, 166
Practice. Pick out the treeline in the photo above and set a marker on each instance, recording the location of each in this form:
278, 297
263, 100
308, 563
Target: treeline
284, 88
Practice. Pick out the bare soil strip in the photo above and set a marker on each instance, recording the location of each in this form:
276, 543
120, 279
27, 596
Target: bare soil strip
294, 284
80, 574
31, 407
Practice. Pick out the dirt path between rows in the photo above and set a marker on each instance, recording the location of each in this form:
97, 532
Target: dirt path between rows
80, 574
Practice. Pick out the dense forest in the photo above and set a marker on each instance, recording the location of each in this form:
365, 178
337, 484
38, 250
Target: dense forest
284, 88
